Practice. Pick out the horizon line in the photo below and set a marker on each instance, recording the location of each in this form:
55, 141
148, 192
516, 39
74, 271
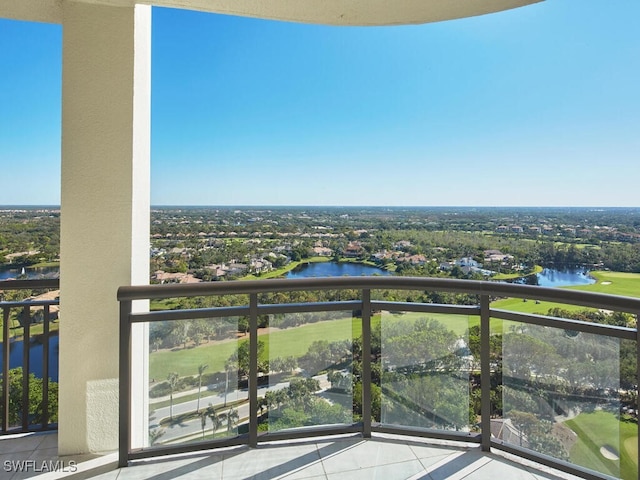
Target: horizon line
58, 206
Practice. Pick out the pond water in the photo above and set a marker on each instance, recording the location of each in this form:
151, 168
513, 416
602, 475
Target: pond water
35, 357
334, 269
30, 273
550, 277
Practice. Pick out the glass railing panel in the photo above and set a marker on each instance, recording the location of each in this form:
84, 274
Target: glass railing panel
197, 380
311, 365
425, 365
561, 397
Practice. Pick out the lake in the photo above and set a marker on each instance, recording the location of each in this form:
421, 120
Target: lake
36, 351
30, 273
334, 269
550, 277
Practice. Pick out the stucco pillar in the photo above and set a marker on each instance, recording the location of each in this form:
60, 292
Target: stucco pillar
104, 212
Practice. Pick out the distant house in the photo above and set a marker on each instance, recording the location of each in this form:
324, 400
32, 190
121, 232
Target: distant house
516, 229
260, 265
164, 277
402, 245
496, 256
353, 250
322, 251
467, 262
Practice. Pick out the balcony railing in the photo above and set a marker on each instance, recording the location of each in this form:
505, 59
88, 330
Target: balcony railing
29, 396
558, 391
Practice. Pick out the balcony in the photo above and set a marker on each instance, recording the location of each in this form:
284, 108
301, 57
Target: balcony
29, 356
372, 438
486, 382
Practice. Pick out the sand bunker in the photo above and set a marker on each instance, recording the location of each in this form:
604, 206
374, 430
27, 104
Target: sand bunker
605, 283
609, 452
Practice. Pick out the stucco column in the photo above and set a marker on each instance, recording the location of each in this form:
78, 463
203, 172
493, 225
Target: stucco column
104, 212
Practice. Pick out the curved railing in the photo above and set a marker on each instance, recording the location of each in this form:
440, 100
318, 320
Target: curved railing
569, 369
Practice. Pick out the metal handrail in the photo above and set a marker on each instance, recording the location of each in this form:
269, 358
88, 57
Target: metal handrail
486, 291
26, 306
477, 287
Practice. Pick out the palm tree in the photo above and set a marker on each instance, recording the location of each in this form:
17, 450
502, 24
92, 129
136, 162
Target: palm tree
230, 366
173, 383
232, 418
203, 422
155, 434
213, 416
201, 369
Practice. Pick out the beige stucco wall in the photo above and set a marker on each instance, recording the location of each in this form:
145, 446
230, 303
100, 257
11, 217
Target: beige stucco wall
104, 208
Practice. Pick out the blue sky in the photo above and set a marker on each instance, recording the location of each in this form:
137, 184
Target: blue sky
534, 106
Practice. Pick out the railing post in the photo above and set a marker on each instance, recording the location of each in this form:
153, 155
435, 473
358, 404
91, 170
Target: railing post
124, 446
5, 368
253, 370
485, 372
45, 367
366, 363
26, 340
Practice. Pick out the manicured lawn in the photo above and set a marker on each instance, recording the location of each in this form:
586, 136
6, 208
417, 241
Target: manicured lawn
598, 429
287, 268
511, 276
457, 323
279, 343
614, 283
530, 306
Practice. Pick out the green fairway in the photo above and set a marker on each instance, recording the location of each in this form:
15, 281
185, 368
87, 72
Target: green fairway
600, 429
279, 343
511, 276
456, 323
614, 283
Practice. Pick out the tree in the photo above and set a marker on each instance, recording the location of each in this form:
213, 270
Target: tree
203, 422
201, 369
231, 418
155, 434
173, 383
213, 416
35, 398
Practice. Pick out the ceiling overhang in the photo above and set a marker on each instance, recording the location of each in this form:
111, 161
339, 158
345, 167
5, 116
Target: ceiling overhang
326, 12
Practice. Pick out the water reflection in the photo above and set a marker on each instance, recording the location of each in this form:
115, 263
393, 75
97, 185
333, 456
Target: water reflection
550, 277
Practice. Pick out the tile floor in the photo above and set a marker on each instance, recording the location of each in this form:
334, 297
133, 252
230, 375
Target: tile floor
327, 458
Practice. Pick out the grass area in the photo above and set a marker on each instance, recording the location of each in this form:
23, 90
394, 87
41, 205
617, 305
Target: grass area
578, 246
45, 265
614, 283
36, 329
598, 429
287, 268
512, 276
457, 323
280, 343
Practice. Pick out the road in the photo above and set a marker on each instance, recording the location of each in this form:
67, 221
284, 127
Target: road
194, 427
217, 400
